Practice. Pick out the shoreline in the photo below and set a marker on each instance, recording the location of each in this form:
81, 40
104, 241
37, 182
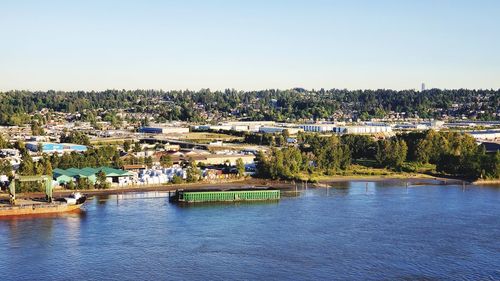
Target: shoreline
486, 182
418, 179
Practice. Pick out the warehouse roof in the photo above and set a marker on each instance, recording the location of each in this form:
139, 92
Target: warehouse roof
88, 172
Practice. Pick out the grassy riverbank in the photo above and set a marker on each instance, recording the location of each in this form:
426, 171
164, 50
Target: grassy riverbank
317, 181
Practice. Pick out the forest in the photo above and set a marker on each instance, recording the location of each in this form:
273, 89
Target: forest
18, 107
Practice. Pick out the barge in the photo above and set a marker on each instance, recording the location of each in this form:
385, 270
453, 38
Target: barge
231, 195
33, 207
19, 207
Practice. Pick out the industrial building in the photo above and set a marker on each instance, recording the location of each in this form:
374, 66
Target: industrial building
317, 127
113, 176
273, 130
163, 130
240, 126
488, 135
362, 129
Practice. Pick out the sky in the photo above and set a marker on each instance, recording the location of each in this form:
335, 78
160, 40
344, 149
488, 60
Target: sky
249, 45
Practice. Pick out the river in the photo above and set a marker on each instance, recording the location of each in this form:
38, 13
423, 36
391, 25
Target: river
383, 231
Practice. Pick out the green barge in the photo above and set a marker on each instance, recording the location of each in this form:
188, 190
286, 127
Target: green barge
199, 196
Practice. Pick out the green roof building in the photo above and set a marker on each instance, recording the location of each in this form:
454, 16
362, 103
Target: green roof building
62, 176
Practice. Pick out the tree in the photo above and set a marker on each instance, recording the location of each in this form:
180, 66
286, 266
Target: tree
36, 129
117, 161
39, 168
76, 137
262, 165
27, 166
48, 168
71, 185
391, 153
360, 146
102, 182
240, 167
126, 145
193, 172
83, 183
176, 179
3, 143
148, 161
137, 147
166, 161
5, 167
285, 133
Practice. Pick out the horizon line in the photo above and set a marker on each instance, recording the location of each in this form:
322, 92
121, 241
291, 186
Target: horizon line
246, 90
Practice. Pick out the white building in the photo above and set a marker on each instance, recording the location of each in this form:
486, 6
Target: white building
363, 129
240, 126
272, 130
317, 127
486, 135
159, 129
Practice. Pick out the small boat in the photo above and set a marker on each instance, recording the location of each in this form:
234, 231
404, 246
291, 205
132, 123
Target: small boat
75, 198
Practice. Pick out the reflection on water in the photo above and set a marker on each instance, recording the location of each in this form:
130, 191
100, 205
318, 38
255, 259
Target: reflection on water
348, 231
208, 205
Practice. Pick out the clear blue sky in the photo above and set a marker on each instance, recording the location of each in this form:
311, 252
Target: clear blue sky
252, 44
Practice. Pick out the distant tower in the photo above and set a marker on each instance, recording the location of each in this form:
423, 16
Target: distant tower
423, 87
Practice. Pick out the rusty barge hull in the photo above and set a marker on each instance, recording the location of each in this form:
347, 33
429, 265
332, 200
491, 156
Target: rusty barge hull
37, 209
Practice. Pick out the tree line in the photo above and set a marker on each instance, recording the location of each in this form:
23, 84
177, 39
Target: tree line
452, 153
19, 107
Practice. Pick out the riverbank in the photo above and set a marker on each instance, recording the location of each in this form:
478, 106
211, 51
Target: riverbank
413, 179
486, 182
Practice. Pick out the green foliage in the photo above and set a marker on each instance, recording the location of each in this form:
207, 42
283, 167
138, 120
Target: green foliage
240, 167
326, 154
176, 179
27, 166
361, 146
126, 145
76, 137
278, 105
101, 182
453, 153
137, 147
5, 167
166, 161
148, 161
3, 143
83, 183
36, 129
71, 185
193, 173
260, 138
391, 153
107, 155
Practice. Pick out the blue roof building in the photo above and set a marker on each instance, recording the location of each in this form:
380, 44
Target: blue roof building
50, 147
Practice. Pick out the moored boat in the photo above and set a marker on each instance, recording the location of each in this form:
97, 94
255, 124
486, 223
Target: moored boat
18, 207
32, 207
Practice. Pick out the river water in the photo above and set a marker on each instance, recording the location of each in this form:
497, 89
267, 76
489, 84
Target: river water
350, 231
